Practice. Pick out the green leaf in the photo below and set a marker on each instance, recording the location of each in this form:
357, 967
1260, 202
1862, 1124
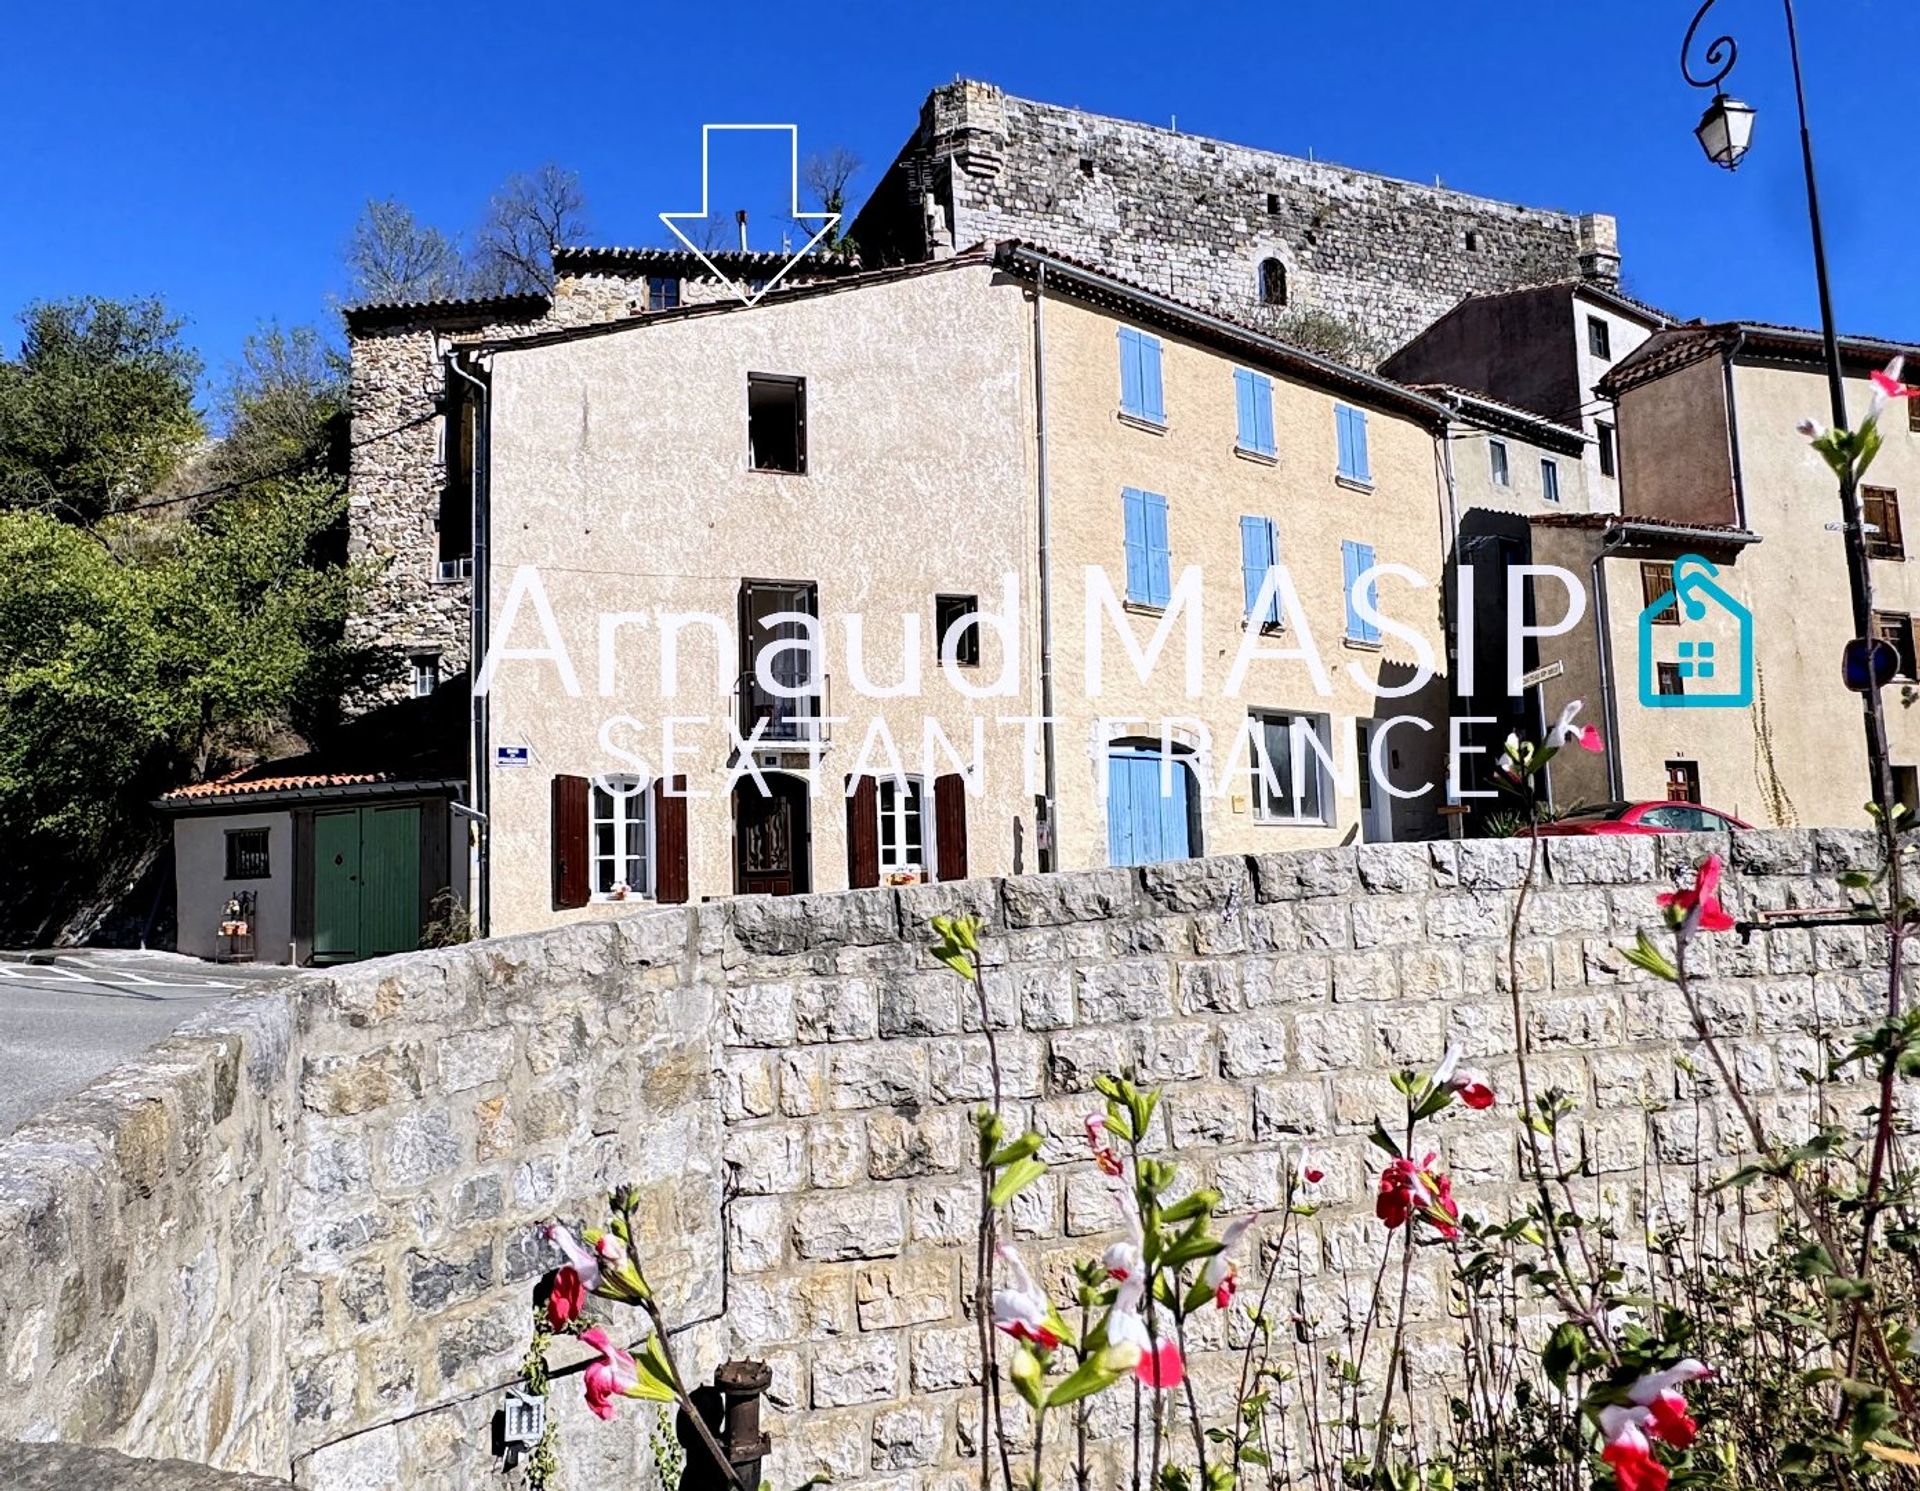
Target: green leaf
1645, 955
1016, 1149
1096, 1374
1029, 1376
1015, 1179
652, 1375
1563, 1352
1383, 1140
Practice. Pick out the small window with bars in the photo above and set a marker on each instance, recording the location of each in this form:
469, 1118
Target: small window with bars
247, 857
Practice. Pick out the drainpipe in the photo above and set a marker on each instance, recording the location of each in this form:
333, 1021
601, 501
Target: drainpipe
1602, 647
1050, 857
482, 788
1733, 433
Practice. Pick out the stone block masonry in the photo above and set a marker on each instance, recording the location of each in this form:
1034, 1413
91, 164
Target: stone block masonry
302, 1237
1195, 218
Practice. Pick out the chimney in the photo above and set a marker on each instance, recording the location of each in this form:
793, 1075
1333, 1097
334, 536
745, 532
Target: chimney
740, 217
1597, 240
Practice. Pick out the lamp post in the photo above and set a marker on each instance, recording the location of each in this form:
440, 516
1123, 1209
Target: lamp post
1724, 132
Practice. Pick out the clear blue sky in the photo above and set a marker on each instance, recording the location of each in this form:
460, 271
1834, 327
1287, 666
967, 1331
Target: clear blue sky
216, 154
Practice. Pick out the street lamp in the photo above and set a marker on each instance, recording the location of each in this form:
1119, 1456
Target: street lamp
1725, 131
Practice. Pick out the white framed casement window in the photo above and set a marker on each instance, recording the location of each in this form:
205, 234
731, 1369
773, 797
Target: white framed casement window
906, 833
620, 838
1497, 458
1305, 797
1549, 479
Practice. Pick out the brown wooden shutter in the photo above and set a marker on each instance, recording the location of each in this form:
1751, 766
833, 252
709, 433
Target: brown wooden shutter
950, 826
570, 883
863, 834
670, 842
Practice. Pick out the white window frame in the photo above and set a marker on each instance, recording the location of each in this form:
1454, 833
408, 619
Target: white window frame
1322, 779
1499, 463
1550, 480
890, 808
619, 801
417, 665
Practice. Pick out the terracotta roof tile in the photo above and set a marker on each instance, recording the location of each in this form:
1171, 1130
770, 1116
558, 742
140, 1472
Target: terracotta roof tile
236, 783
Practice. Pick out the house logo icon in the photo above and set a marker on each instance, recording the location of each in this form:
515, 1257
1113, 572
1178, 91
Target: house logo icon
1709, 669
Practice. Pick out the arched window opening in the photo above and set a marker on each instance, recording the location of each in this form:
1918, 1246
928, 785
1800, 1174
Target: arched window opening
1273, 282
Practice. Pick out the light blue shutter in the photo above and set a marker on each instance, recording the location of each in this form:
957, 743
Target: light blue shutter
1159, 557
1154, 408
1351, 425
1130, 396
1356, 559
1248, 420
1259, 552
1253, 558
1351, 567
1263, 415
1139, 573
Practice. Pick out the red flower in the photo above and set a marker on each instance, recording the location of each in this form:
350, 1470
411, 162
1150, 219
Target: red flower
1634, 1468
566, 1299
1474, 1091
1442, 1212
1394, 1204
1700, 905
1670, 1422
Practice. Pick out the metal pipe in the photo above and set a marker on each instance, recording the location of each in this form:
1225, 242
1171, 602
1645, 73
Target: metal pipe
1603, 649
1859, 571
1050, 850
480, 722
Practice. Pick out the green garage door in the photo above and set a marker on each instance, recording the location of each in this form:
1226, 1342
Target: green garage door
366, 883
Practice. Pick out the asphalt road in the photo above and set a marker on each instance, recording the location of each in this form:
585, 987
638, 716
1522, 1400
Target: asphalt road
63, 1024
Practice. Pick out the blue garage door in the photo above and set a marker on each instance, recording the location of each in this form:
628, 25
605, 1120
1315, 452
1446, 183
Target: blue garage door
1143, 823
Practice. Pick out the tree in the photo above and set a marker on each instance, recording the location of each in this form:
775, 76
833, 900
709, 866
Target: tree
97, 409
282, 403
393, 256
531, 215
128, 668
826, 176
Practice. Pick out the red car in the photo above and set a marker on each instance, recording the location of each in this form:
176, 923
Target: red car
1638, 818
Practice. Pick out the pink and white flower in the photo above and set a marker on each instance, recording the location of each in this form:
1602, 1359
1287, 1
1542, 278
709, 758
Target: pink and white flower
1888, 387
613, 1376
1565, 732
1103, 1152
1221, 1274
1465, 1083
583, 1262
1158, 1364
1021, 1308
1698, 907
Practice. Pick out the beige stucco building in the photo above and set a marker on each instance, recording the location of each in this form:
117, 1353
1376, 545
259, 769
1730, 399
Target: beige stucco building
1713, 465
931, 443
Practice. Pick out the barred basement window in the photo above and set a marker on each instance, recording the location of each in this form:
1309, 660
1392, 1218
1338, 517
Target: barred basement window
247, 854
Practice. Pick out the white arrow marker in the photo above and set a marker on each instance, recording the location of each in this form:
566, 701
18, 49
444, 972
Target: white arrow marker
749, 296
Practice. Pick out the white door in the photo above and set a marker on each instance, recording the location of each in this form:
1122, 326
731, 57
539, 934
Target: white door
1376, 806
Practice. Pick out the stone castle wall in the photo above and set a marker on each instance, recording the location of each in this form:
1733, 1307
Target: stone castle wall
1194, 217
790, 1083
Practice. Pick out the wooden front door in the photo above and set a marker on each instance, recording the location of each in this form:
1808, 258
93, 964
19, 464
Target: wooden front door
366, 883
771, 839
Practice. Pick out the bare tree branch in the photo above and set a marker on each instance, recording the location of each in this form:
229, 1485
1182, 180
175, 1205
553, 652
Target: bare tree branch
531, 215
393, 256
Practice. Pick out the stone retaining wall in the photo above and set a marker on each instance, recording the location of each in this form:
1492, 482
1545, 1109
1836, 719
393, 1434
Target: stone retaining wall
789, 1082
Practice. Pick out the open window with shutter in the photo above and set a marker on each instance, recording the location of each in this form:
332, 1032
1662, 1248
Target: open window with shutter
863, 834
670, 841
950, 826
570, 880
